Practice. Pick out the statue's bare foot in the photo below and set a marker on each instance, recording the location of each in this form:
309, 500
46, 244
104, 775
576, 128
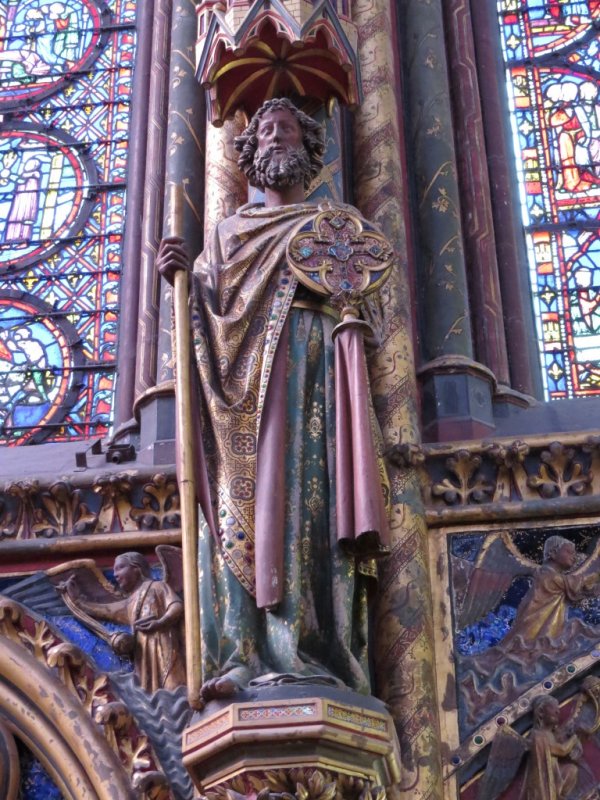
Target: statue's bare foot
218, 688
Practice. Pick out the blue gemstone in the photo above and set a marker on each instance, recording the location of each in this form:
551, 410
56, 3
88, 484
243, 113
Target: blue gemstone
341, 251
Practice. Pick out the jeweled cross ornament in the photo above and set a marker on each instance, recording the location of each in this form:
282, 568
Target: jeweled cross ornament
339, 255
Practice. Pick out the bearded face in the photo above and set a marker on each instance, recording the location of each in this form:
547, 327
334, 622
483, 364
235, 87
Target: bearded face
278, 166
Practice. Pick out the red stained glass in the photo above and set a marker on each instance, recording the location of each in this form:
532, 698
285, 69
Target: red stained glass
552, 54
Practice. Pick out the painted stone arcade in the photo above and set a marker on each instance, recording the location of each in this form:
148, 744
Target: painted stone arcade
299, 399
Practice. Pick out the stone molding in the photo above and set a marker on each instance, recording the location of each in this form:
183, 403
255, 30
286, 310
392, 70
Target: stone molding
97, 736
529, 477
87, 504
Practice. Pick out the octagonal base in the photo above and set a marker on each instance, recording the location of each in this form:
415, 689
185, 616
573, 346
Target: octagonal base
291, 727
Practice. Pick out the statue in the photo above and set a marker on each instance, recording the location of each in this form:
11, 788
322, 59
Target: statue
556, 585
556, 768
283, 589
151, 608
542, 633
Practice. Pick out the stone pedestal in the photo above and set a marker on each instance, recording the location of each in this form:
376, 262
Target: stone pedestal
457, 399
156, 410
282, 737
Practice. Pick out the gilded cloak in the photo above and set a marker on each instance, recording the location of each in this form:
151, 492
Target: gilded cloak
242, 292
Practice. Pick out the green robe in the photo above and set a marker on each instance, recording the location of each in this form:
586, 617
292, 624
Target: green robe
244, 331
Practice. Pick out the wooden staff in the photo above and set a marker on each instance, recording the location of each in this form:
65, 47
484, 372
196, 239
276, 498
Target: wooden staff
185, 460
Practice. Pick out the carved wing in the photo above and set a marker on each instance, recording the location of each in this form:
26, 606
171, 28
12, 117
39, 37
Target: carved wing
497, 565
506, 754
591, 564
92, 583
586, 715
37, 593
171, 559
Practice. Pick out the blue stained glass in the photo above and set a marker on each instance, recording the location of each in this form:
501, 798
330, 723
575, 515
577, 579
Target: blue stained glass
37, 366
44, 186
63, 169
556, 121
41, 44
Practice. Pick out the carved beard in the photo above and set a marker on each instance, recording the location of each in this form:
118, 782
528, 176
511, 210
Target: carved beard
288, 168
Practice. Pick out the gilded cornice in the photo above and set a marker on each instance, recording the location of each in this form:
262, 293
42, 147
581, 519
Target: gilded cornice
535, 476
89, 510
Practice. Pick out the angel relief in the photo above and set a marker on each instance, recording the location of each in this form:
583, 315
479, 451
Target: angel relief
545, 630
152, 609
553, 761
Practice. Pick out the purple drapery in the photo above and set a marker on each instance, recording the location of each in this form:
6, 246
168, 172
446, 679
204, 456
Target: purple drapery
360, 507
360, 504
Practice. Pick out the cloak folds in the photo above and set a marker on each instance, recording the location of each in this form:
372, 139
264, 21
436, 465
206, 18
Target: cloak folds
260, 420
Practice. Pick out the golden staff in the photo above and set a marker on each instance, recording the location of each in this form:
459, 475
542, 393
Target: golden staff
185, 459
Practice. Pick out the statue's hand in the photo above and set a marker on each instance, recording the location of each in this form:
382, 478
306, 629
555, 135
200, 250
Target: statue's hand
576, 753
171, 257
148, 624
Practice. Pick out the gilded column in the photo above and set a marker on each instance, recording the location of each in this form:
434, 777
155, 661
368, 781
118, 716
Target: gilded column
457, 391
478, 226
512, 255
446, 328
226, 188
130, 288
404, 655
174, 155
185, 155
148, 312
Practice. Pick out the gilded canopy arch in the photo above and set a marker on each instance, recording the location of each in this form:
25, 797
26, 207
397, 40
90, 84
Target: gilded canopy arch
70, 718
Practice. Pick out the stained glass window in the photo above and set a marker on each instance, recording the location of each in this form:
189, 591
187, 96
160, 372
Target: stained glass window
65, 91
552, 54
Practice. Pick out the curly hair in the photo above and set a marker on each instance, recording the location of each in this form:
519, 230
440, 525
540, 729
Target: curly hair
553, 544
313, 138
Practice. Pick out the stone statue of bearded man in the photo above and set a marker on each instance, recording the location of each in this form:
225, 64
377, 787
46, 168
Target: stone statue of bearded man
281, 589
278, 162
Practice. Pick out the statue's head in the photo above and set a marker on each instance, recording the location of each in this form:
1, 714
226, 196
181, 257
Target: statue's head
546, 712
282, 146
561, 551
130, 569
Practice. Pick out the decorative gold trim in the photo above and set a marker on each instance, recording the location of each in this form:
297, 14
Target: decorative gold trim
318, 308
316, 732
39, 549
109, 504
518, 479
50, 720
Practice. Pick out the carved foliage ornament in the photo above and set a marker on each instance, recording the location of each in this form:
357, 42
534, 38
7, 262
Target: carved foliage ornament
297, 784
114, 503
503, 471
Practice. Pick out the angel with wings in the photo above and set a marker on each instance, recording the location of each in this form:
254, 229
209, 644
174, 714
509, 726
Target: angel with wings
151, 608
557, 583
555, 765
